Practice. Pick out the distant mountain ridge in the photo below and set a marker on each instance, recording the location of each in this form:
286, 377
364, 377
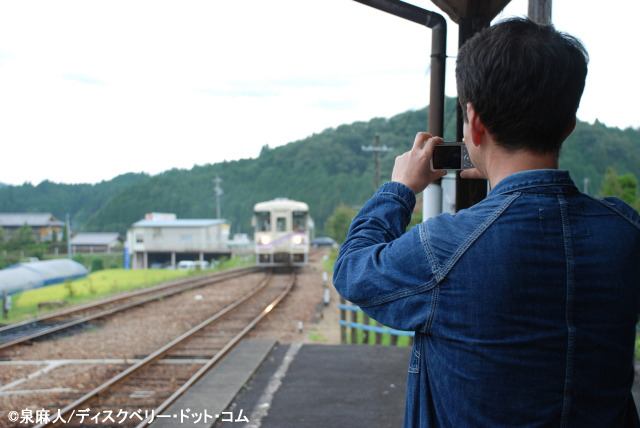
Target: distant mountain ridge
325, 170
80, 201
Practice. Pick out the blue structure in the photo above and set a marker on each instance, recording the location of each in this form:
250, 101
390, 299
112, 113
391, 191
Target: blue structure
25, 276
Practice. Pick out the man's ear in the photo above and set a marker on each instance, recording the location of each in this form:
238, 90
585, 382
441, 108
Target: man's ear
476, 126
572, 126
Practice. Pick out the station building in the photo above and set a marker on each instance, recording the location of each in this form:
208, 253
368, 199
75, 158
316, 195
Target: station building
162, 240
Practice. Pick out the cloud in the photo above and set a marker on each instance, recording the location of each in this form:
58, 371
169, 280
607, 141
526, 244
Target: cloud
83, 79
241, 91
151, 85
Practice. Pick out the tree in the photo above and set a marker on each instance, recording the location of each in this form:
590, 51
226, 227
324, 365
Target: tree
24, 236
624, 187
63, 238
337, 225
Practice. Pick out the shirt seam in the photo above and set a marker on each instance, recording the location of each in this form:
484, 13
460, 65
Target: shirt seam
568, 249
531, 186
615, 209
406, 292
440, 273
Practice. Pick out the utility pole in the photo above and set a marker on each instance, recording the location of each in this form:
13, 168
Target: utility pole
68, 238
540, 11
376, 149
219, 193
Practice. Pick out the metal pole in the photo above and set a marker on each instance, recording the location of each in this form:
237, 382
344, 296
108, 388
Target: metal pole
219, 192
540, 11
68, 237
432, 197
6, 303
436, 91
377, 154
468, 192
376, 149
438, 24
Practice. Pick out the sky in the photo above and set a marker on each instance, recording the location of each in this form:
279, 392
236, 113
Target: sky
91, 89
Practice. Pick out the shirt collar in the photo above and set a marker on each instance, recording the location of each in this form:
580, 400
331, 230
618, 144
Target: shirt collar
533, 178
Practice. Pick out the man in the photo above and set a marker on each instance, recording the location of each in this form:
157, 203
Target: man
524, 306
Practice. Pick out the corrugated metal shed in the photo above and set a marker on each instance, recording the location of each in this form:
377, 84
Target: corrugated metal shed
25, 276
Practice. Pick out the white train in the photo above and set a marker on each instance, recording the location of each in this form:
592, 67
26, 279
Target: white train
282, 232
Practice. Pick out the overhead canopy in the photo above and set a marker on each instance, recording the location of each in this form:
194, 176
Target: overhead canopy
485, 10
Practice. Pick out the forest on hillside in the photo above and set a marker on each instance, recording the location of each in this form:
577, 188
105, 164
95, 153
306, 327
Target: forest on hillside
327, 169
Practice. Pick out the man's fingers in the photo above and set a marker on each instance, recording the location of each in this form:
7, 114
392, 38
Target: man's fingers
431, 143
421, 137
471, 173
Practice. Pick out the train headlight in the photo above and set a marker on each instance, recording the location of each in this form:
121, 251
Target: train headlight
297, 239
265, 240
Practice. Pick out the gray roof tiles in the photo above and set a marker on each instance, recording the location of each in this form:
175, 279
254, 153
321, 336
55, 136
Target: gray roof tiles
32, 219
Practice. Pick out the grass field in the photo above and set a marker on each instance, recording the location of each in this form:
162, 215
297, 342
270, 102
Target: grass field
98, 284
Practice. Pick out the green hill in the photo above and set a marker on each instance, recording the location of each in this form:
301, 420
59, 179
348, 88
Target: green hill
325, 170
80, 201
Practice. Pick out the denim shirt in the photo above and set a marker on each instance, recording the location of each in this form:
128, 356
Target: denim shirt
524, 306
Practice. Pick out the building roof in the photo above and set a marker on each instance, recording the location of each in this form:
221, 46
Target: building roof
104, 238
180, 223
32, 219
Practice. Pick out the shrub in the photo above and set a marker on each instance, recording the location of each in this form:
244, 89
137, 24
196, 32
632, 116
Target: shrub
97, 264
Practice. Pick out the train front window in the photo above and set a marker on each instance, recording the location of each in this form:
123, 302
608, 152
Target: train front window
299, 221
282, 224
263, 221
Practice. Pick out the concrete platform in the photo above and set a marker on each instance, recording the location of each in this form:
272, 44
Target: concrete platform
262, 384
319, 386
208, 398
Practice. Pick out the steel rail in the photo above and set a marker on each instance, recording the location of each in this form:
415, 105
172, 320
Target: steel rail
119, 297
233, 342
152, 357
162, 291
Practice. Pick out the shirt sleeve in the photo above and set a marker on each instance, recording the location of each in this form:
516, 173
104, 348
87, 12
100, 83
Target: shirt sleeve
381, 268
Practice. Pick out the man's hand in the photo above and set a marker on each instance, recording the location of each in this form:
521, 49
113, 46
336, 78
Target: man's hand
413, 168
472, 173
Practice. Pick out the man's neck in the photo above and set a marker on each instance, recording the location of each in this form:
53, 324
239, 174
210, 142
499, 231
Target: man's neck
504, 163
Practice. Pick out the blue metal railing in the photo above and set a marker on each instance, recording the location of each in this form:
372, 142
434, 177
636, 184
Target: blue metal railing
367, 327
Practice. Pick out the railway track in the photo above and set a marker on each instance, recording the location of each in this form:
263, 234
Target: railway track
149, 386
59, 322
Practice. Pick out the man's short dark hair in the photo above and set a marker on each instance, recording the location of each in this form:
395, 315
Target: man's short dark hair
525, 81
